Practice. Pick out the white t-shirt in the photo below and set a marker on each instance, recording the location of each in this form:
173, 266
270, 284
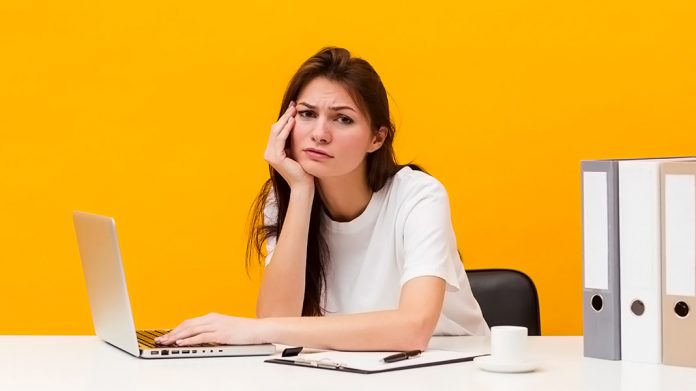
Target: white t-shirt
405, 232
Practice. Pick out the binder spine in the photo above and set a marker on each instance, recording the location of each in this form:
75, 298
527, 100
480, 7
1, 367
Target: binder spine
640, 263
679, 264
601, 286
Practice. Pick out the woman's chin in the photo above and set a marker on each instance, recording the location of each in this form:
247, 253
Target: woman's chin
313, 169
322, 170
316, 172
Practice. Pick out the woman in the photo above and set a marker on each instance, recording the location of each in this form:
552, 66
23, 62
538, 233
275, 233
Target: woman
361, 254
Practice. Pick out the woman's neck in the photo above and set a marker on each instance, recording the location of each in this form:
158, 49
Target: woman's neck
345, 197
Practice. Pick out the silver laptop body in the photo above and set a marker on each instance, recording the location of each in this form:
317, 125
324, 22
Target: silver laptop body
110, 305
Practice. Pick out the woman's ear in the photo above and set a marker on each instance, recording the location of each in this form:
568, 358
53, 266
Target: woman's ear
378, 139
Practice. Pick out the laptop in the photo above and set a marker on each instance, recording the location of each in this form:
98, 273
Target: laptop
110, 305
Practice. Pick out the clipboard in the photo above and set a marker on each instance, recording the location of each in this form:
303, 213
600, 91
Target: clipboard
372, 362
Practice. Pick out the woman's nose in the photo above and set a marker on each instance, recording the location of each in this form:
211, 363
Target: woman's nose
320, 133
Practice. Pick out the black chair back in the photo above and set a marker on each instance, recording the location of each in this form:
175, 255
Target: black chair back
507, 298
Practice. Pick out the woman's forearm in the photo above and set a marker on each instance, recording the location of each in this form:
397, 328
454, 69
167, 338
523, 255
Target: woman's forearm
384, 330
283, 284
407, 328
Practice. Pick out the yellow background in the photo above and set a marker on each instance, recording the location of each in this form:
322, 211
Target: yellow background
157, 113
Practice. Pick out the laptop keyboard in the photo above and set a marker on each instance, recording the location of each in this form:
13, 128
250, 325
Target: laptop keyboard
146, 339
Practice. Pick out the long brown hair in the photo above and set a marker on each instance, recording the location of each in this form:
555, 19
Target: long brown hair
365, 87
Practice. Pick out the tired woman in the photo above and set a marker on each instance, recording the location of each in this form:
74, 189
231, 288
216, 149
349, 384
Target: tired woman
360, 251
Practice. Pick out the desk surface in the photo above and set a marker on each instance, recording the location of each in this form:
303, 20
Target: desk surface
86, 363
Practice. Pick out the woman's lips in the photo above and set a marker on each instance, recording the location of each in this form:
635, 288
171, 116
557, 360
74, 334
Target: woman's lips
317, 154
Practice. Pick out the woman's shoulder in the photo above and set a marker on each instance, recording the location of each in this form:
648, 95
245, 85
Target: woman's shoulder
410, 183
410, 178
416, 193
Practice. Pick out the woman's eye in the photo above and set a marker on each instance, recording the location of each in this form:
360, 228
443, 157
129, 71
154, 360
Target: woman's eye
306, 114
344, 120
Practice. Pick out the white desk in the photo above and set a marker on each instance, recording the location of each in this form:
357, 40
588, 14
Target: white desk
86, 363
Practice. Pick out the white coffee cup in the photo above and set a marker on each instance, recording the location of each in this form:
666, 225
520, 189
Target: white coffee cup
509, 344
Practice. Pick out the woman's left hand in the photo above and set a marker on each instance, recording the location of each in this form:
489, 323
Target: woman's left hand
214, 328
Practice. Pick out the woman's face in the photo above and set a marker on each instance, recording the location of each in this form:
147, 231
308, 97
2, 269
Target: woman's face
331, 137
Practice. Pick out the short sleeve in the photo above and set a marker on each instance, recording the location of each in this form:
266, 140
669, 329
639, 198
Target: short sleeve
430, 246
270, 216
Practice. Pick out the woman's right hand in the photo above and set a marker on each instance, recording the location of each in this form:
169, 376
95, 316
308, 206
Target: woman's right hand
280, 157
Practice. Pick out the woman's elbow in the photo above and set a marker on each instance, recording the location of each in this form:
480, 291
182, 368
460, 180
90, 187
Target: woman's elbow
420, 342
420, 331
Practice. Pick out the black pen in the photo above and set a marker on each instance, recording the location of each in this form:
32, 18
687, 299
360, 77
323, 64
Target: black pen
402, 356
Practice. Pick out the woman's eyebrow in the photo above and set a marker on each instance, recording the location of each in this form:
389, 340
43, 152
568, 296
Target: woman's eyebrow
307, 104
334, 108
